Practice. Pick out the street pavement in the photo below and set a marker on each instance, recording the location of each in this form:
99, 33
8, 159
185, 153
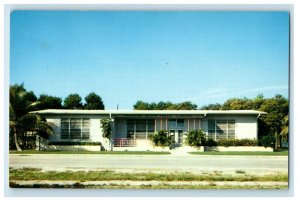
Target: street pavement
150, 162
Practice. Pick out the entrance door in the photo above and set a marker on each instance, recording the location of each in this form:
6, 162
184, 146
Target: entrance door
180, 136
172, 134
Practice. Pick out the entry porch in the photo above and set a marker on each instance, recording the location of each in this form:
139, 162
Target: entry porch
136, 131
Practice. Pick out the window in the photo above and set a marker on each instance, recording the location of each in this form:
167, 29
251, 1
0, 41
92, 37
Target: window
211, 128
151, 125
130, 128
231, 129
140, 128
140, 132
221, 129
75, 129
176, 123
180, 123
172, 123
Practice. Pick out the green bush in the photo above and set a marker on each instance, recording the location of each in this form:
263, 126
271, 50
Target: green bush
227, 142
106, 125
195, 138
247, 142
73, 143
237, 142
268, 141
210, 142
161, 138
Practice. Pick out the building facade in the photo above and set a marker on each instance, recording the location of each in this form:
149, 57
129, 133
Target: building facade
132, 128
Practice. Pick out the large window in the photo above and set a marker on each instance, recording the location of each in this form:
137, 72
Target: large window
75, 129
221, 129
140, 128
176, 123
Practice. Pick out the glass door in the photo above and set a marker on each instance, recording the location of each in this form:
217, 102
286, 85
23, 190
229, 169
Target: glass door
180, 136
172, 134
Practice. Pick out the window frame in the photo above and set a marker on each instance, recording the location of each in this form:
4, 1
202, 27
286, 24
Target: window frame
214, 132
68, 130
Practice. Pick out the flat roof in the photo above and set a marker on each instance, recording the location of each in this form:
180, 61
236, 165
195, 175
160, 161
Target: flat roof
147, 112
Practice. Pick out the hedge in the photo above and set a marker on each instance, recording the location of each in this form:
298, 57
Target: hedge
74, 143
237, 142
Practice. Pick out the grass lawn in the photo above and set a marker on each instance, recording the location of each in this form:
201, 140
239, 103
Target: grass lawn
250, 153
159, 186
35, 178
37, 174
92, 152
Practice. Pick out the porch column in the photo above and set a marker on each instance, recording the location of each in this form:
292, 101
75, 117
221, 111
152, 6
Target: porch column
166, 123
188, 124
160, 123
155, 124
112, 134
134, 130
194, 124
199, 123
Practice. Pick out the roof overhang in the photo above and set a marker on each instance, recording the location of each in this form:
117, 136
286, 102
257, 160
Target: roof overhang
148, 112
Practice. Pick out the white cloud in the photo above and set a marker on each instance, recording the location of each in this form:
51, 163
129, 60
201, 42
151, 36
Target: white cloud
235, 92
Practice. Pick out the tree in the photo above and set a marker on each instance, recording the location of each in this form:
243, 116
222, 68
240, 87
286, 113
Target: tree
49, 102
20, 120
258, 101
73, 101
238, 104
284, 134
140, 105
187, 105
215, 106
277, 108
93, 102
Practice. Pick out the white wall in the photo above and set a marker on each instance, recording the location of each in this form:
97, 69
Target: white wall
246, 127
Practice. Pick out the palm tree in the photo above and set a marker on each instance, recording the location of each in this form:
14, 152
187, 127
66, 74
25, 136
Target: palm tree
284, 134
20, 120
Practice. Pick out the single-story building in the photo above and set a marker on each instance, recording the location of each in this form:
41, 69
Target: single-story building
132, 128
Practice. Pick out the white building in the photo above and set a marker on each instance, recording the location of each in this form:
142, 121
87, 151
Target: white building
132, 128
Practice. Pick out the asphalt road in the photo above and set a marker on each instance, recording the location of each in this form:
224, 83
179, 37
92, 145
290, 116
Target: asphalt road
150, 162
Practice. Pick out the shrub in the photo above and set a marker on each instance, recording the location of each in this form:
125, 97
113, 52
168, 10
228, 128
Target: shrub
247, 142
195, 138
161, 138
106, 125
73, 143
237, 142
227, 142
210, 142
268, 141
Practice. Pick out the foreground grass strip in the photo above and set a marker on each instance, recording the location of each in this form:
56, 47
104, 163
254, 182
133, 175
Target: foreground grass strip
248, 153
34, 174
160, 186
93, 152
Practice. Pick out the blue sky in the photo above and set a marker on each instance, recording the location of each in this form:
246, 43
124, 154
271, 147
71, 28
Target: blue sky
203, 57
